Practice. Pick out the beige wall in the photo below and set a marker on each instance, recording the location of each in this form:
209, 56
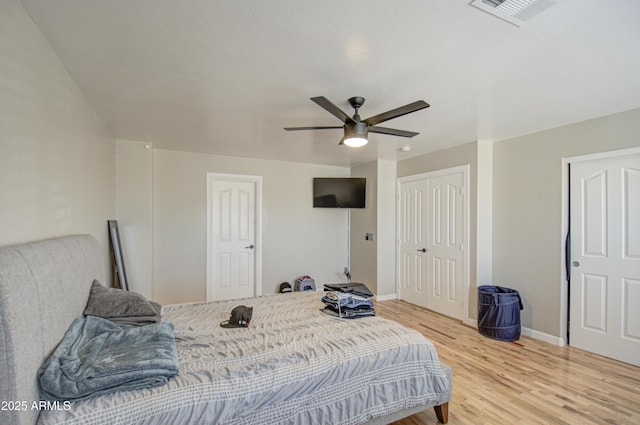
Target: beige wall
373, 261
527, 209
134, 166
297, 239
363, 253
56, 157
448, 158
386, 235
484, 215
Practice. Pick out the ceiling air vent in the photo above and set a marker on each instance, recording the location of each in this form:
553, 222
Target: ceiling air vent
513, 11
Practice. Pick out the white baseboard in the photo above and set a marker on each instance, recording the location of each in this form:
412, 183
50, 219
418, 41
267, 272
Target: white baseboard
531, 333
470, 322
541, 336
386, 297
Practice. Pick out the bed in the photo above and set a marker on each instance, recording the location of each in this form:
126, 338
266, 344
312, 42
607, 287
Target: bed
294, 364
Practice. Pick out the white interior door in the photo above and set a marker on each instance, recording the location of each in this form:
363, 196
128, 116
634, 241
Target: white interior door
446, 280
432, 238
412, 276
232, 238
605, 255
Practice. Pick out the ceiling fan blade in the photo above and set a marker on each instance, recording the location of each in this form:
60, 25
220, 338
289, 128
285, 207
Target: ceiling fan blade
398, 112
392, 131
310, 128
326, 104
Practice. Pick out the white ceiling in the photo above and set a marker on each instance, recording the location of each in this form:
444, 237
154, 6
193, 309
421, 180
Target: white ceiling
226, 76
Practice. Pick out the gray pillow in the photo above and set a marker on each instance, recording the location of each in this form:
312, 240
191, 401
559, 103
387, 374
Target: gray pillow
112, 302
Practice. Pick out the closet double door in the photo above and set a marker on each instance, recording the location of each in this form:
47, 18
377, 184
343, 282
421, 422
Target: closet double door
432, 231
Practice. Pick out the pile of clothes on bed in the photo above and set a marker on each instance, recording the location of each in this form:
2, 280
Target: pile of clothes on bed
348, 300
120, 344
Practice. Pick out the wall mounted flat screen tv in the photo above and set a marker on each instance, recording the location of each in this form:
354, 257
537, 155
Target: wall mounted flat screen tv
339, 192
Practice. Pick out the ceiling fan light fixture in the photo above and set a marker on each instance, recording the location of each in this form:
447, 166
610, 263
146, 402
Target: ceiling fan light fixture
355, 134
355, 141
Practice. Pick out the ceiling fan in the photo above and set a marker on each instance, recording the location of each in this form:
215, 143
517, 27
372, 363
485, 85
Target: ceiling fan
356, 130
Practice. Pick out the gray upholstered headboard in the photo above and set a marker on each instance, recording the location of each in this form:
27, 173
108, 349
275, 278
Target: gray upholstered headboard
44, 285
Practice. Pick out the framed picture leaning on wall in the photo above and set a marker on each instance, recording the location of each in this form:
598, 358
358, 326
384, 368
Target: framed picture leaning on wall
120, 275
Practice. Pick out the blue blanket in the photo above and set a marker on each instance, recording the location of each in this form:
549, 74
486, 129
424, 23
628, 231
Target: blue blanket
97, 356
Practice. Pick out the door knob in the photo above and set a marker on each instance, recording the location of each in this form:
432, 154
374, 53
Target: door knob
576, 264
249, 247
423, 250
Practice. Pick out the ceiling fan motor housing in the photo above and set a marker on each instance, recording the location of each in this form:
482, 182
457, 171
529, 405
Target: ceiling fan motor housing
356, 129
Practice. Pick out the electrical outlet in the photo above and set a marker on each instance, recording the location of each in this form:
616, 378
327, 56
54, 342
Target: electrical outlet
347, 274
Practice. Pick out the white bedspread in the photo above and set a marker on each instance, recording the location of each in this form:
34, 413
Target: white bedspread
294, 364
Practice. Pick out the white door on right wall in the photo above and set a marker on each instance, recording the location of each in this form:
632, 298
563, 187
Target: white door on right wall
605, 257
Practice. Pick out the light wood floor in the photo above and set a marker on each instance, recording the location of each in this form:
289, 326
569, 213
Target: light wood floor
523, 382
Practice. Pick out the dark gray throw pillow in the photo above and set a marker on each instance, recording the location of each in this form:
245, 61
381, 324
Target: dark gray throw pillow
112, 302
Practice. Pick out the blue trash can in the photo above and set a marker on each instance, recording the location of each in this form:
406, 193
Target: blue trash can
499, 312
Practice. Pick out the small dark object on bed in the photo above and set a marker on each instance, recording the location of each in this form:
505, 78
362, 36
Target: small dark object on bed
240, 317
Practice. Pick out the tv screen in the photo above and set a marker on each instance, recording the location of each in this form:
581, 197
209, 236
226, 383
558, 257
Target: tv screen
339, 192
